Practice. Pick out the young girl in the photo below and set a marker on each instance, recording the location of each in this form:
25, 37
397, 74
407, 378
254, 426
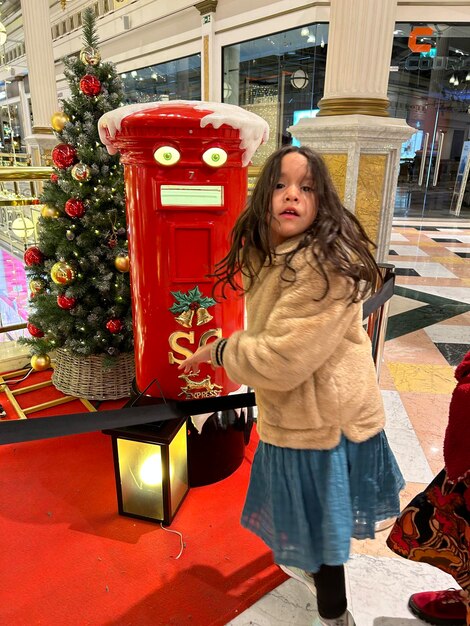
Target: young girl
323, 471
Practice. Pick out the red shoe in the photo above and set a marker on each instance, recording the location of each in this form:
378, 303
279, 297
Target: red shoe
443, 608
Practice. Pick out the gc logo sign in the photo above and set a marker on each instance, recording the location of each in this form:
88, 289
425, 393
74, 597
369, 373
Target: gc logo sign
419, 31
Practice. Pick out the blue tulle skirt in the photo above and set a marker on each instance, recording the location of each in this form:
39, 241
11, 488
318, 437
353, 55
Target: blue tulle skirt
307, 504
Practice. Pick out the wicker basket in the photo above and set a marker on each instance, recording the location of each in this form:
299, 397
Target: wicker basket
91, 377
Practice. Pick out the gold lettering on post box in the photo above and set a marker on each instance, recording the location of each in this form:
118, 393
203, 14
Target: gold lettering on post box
214, 332
174, 345
185, 352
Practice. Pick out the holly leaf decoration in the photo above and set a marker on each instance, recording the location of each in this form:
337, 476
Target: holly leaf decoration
206, 302
194, 294
184, 300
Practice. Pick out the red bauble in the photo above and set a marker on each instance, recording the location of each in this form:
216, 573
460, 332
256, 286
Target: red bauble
114, 326
65, 302
54, 178
90, 85
34, 331
33, 256
64, 156
75, 208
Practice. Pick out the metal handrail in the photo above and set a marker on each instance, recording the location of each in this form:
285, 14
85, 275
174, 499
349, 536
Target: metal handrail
12, 327
376, 325
16, 173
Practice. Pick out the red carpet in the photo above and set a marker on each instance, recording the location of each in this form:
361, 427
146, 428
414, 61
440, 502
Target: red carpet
68, 559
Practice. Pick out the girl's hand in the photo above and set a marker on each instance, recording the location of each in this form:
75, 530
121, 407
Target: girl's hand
202, 355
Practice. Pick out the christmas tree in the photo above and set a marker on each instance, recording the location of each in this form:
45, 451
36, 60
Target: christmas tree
78, 272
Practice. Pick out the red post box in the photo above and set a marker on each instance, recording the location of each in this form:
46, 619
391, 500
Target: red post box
185, 168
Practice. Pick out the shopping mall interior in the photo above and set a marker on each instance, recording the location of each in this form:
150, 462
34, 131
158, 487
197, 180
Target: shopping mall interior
382, 90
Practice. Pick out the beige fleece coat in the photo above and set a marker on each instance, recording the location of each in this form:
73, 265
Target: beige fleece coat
309, 360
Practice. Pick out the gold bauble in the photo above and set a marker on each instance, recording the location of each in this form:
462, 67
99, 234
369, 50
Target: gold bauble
121, 263
81, 171
90, 56
40, 362
62, 273
49, 211
36, 285
59, 120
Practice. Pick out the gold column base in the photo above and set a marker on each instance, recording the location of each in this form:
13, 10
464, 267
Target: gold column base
354, 106
42, 130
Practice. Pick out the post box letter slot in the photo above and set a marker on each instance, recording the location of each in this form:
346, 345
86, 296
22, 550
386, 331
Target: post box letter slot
192, 195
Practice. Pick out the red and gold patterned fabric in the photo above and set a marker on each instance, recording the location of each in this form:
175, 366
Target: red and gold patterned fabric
435, 528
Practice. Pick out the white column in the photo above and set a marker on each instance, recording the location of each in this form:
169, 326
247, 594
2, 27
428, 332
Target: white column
359, 142
41, 73
24, 109
360, 39
207, 10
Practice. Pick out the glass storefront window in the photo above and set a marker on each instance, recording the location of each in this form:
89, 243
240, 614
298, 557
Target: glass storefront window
12, 131
10, 134
174, 80
429, 86
280, 77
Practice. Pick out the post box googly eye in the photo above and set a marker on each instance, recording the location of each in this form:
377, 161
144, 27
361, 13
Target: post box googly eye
215, 157
166, 155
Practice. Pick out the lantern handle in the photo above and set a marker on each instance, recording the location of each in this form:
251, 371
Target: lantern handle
139, 395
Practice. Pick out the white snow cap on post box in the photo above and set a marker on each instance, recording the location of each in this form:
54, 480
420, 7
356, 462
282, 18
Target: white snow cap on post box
253, 129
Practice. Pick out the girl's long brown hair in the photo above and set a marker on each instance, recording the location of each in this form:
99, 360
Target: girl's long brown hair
336, 237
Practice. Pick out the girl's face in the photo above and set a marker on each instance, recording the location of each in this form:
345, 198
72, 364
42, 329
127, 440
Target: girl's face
294, 205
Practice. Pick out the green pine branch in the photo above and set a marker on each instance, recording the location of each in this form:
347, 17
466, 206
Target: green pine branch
90, 36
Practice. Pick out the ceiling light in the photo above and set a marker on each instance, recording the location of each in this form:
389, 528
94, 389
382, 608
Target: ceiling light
299, 79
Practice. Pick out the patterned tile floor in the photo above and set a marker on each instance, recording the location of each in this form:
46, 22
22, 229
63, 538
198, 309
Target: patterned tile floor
428, 334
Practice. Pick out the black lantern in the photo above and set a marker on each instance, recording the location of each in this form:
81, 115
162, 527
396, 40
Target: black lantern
151, 468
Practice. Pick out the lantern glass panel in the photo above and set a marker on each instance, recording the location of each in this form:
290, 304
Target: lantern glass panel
141, 474
178, 469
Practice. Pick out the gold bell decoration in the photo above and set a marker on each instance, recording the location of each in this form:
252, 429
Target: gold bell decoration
40, 362
59, 120
186, 318
49, 211
62, 273
203, 316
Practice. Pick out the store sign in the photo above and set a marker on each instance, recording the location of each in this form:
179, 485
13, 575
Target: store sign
419, 31
425, 59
